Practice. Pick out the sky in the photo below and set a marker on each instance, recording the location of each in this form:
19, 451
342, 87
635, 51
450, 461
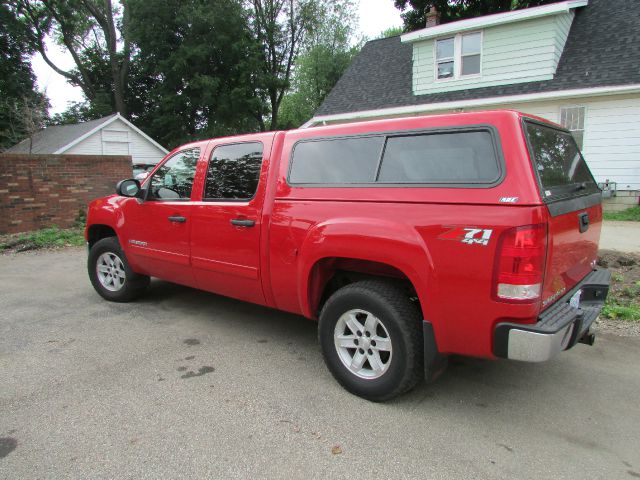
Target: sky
375, 16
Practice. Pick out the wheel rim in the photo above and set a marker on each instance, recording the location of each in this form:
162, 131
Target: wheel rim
110, 270
363, 344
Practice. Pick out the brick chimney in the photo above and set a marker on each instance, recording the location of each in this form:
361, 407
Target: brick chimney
433, 17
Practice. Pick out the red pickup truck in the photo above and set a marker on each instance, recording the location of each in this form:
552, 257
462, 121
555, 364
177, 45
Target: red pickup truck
408, 239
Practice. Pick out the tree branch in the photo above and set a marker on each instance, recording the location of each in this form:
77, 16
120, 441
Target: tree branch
67, 39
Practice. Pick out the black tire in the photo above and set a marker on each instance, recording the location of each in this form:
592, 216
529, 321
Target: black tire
133, 285
402, 321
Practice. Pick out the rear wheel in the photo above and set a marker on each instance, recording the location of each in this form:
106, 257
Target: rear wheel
110, 273
371, 339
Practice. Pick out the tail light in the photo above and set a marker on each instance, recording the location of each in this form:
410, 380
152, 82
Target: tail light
519, 264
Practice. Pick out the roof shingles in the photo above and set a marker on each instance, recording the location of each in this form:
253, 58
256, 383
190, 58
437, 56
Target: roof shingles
51, 139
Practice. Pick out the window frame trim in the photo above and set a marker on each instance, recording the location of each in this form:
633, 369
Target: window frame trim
457, 57
147, 181
491, 129
231, 200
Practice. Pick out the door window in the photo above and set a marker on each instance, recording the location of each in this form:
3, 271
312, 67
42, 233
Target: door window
234, 171
174, 179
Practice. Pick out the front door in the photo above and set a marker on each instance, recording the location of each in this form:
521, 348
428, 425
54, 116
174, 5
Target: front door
157, 230
226, 224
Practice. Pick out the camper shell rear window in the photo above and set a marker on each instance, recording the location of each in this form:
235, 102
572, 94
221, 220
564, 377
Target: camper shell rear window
468, 157
560, 167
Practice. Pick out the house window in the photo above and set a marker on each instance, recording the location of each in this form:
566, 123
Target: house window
458, 56
445, 57
572, 118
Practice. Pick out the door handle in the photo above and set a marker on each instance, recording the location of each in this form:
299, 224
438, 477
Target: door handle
243, 222
583, 222
177, 218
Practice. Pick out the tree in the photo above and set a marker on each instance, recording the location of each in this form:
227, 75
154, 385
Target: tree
201, 66
280, 27
22, 108
451, 10
391, 32
327, 52
91, 31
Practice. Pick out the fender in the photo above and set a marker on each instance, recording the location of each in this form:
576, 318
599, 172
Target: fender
102, 211
392, 243
107, 211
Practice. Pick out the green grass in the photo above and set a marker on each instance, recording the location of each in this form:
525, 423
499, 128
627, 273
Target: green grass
629, 312
622, 302
46, 238
630, 215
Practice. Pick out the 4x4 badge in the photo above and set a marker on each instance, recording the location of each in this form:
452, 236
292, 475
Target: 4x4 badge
468, 235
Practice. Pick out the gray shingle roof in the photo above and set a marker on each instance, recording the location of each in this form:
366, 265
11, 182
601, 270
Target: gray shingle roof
603, 49
51, 139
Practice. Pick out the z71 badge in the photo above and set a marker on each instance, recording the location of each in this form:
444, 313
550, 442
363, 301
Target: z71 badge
468, 235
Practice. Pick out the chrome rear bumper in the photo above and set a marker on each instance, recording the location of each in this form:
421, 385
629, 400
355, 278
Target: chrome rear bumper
559, 327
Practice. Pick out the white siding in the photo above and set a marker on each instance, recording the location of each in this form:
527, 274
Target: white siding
109, 141
563, 25
91, 145
514, 53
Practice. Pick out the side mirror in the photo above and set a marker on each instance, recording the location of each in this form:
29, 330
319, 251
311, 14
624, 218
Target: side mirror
128, 188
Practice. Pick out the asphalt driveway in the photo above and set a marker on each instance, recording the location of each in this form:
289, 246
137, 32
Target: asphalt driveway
185, 384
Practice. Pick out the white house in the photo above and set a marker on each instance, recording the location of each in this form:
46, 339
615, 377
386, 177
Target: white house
112, 135
574, 62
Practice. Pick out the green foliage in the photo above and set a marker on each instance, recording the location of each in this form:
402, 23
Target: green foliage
44, 238
199, 62
630, 311
617, 277
624, 294
391, 32
630, 214
78, 112
22, 108
94, 32
186, 70
328, 52
415, 11
281, 28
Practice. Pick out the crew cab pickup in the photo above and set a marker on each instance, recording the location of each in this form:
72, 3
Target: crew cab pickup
407, 239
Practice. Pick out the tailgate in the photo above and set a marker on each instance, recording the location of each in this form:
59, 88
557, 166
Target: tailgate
574, 202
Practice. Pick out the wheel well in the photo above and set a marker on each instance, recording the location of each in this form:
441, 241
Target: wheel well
98, 232
330, 274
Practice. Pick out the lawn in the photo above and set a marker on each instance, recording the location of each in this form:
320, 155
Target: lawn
52, 237
630, 215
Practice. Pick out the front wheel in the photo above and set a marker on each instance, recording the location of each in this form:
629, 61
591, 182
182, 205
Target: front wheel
371, 339
110, 273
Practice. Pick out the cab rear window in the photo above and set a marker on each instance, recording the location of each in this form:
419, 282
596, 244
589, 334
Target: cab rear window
560, 167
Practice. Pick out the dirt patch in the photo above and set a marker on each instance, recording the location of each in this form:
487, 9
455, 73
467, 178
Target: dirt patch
621, 314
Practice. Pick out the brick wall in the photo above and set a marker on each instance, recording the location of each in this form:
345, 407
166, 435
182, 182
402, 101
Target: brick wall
38, 191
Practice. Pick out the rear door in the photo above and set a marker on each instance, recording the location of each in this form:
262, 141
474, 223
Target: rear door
227, 222
574, 202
